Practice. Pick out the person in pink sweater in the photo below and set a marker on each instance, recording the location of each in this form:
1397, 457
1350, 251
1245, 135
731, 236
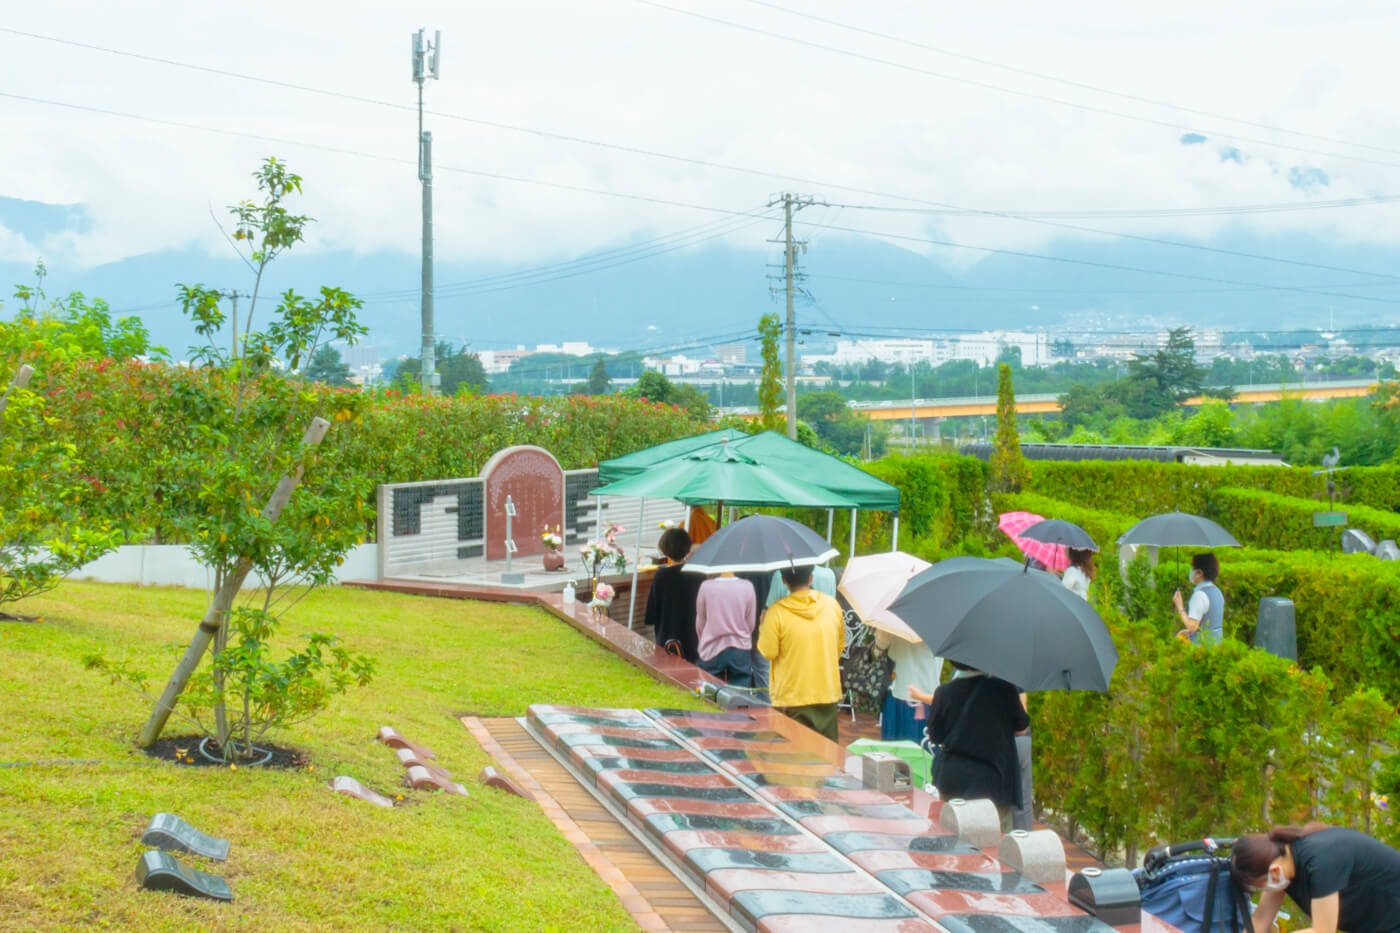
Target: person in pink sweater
725, 610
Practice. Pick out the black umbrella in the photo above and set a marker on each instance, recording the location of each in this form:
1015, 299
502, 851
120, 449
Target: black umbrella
1059, 531
759, 543
1012, 622
1178, 530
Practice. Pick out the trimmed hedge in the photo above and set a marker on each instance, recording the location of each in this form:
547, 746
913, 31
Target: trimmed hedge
1145, 488
1193, 742
1269, 519
942, 500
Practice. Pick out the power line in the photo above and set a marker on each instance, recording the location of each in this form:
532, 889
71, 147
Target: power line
1034, 217
1159, 241
702, 163
672, 203
592, 262
1148, 213
984, 85
990, 289
1067, 81
1099, 265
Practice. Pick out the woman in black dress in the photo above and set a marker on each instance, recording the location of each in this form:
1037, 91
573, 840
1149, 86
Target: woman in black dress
975, 718
671, 600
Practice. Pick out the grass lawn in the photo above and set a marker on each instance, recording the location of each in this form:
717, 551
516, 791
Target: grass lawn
303, 858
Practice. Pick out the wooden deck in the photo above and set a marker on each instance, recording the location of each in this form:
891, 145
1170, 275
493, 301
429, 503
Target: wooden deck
656, 898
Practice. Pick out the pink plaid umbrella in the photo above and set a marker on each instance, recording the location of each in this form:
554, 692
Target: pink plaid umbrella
1053, 556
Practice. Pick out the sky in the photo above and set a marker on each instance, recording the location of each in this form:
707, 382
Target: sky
838, 109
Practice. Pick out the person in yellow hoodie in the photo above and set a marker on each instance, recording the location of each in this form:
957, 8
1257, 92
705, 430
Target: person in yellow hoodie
803, 635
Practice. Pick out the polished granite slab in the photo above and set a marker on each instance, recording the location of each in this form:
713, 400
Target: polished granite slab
760, 812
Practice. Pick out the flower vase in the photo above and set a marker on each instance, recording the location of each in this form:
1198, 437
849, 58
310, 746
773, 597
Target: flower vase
553, 560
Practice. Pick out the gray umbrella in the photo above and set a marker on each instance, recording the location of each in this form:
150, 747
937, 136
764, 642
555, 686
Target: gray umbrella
1018, 624
759, 543
1178, 530
1059, 531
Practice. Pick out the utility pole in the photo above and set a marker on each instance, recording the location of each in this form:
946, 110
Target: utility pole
425, 65
233, 295
791, 278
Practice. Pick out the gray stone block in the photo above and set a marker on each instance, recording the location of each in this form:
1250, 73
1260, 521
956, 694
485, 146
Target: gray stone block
171, 834
973, 821
1039, 855
161, 871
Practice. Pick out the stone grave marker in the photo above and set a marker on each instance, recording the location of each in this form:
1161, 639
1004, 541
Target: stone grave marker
161, 871
170, 833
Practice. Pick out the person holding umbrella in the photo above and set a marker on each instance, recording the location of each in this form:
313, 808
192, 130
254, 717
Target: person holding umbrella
803, 635
1206, 610
1080, 572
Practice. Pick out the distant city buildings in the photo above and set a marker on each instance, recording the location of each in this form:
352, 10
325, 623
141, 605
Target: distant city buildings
983, 348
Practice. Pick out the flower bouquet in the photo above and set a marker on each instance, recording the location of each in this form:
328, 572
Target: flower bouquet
604, 555
553, 548
602, 598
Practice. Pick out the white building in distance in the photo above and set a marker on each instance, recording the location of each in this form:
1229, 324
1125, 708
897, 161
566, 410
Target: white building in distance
983, 348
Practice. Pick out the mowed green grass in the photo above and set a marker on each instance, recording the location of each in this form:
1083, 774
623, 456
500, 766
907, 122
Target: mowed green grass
303, 858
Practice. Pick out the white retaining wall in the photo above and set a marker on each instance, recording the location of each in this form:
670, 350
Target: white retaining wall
173, 565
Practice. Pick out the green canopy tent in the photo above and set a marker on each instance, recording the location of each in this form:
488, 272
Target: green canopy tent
722, 473
730, 467
610, 471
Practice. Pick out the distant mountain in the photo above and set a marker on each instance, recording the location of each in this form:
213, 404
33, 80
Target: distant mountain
857, 286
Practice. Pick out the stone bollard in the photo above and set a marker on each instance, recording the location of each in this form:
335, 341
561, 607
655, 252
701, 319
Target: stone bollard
973, 821
1039, 855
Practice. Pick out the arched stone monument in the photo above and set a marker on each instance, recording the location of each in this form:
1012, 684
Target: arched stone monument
535, 483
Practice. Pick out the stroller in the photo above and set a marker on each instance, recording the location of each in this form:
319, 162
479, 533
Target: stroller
1189, 886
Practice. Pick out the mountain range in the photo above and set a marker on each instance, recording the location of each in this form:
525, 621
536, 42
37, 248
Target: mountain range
654, 297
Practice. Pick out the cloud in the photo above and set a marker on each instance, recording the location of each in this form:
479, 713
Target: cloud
821, 124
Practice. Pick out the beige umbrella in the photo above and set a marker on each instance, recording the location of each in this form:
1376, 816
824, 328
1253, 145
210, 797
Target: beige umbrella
872, 582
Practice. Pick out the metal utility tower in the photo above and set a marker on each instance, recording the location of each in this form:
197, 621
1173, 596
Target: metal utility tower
425, 65
791, 278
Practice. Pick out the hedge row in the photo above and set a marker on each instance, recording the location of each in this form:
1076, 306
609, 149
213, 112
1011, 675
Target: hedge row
1193, 742
942, 501
1145, 488
1270, 519
143, 430
1346, 607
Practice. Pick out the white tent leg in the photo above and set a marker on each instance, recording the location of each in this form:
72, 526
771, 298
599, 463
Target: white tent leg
894, 536
852, 552
830, 523
636, 565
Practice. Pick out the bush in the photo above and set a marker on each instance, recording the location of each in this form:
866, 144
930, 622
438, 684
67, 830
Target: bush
1142, 487
1194, 742
1270, 519
142, 429
942, 501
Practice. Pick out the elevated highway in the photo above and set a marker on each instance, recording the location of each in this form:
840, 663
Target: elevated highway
1045, 404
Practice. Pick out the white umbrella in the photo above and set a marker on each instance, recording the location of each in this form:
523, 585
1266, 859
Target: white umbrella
872, 582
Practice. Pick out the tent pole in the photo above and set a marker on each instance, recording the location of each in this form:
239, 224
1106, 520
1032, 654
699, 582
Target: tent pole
830, 521
852, 552
894, 537
686, 524
636, 565
719, 515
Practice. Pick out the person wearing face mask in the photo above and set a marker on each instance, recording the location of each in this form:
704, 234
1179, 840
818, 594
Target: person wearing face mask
1203, 617
1345, 881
